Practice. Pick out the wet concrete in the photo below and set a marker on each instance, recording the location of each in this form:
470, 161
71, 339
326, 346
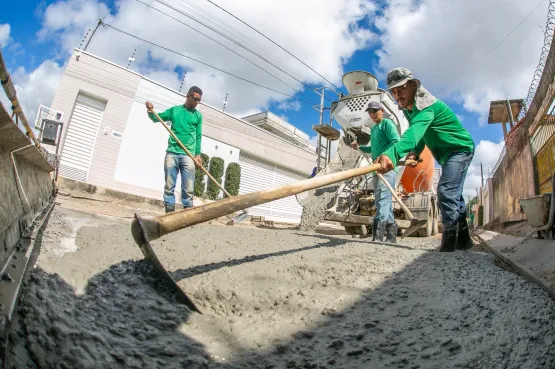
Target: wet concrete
275, 299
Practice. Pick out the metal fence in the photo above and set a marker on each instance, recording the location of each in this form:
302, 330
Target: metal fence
548, 38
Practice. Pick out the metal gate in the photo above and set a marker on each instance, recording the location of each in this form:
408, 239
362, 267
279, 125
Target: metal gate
258, 174
80, 137
542, 142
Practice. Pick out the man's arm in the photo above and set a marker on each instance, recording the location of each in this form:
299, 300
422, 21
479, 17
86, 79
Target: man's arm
412, 138
165, 115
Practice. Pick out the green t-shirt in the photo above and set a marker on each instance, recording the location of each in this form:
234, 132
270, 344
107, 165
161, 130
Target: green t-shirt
382, 136
186, 125
436, 127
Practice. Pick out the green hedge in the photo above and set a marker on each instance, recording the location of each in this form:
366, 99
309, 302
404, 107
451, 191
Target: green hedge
232, 178
217, 171
200, 176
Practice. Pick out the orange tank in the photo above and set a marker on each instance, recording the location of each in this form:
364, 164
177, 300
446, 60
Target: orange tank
423, 173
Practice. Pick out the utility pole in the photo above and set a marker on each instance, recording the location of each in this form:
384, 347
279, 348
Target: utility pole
182, 81
225, 103
132, 58
84, 38
93, 33
482, 172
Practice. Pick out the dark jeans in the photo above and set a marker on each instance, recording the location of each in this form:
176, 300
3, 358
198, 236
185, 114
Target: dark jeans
450, 187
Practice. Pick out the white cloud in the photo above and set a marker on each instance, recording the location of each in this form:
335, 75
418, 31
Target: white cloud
323, 33
487, 153
443, 43
35, 88
4, 34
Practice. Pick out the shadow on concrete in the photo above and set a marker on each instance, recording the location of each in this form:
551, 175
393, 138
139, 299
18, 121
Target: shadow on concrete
181, 274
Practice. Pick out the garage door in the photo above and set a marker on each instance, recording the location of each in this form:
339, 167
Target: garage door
258, 174
80, 137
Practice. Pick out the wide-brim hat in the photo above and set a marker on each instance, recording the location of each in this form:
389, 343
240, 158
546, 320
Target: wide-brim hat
398, 77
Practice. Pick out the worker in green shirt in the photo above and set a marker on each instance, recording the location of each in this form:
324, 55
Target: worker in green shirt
187, 126
383, 135
432, 123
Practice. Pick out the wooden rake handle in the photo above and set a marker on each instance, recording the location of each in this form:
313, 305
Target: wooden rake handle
189, 153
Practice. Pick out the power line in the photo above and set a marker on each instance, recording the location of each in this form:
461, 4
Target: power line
219, 43
211, 18
272, 41
232, 40
203, 63
503, 39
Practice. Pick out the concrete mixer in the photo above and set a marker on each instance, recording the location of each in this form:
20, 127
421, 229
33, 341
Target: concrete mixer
353, 202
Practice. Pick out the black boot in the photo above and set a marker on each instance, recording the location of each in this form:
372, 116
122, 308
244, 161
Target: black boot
169, 207
374, 229
379, 232
448, 238
391, 233
464, 241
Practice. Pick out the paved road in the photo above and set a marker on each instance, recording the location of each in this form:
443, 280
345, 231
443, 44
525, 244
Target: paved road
273, 299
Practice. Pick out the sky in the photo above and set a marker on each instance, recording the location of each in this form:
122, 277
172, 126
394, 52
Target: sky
453, 47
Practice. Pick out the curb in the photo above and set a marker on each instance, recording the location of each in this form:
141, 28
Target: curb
491, 238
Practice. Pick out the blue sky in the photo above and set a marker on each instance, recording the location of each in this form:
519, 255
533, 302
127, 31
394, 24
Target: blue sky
443, 43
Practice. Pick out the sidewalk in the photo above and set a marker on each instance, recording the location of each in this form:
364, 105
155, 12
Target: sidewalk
534, 259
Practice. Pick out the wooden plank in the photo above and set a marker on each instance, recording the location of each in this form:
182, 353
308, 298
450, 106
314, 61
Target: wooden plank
353, 220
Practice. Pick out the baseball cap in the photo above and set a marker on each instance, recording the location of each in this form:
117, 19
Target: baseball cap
374, 105
398, 77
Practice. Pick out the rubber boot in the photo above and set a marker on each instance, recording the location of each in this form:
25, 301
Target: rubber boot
464, 241
448, 238
374, 230
169, 207
380, 232
391, 233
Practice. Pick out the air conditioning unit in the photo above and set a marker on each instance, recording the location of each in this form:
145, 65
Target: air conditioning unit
47, 113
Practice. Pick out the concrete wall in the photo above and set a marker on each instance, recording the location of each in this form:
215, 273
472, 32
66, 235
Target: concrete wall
514, 179
20, 202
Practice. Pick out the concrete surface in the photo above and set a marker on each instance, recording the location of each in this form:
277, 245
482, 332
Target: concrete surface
272, 299
533, 258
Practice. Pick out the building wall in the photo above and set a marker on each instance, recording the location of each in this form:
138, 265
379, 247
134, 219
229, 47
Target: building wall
133, 162
513, 179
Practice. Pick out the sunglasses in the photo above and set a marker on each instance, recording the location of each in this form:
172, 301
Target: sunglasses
397, 77
373, 111
197, 99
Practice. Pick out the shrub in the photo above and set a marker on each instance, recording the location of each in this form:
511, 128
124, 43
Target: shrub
217, 171
200, 176
233, 178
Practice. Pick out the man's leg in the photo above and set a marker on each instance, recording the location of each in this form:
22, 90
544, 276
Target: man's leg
383, 208
391, 226
464, 241
171, 168
187, 170
449, 194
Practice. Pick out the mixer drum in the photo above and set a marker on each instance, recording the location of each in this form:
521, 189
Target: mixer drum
421, 177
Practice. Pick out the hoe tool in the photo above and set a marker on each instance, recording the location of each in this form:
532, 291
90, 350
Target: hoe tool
237, 219
415, 223
145, 230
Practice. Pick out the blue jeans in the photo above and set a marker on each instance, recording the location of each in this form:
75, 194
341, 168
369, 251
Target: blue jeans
450, 187
384, 206
183, 164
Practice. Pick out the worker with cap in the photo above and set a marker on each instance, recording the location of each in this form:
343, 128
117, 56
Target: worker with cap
383, 135
432, 123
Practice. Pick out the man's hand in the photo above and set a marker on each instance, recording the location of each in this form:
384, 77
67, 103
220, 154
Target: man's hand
149, 106
385, 162
198, 160
412, 156
354, 145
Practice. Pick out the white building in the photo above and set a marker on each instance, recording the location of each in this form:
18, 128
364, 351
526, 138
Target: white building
109, 141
